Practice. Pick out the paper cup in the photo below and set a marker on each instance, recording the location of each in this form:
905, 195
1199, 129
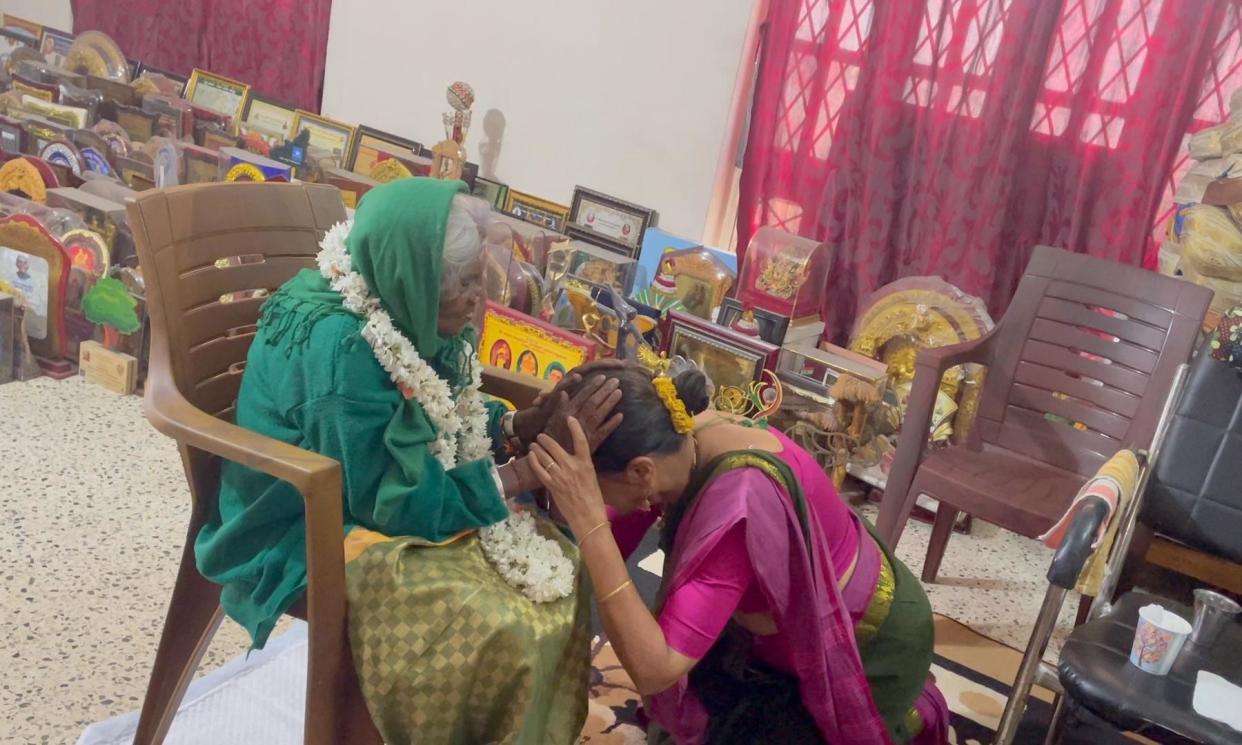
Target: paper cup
1158, 639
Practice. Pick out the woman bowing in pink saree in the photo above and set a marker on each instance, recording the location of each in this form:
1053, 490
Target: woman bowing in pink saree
781, 617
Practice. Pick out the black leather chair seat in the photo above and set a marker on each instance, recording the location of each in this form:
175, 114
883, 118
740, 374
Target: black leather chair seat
1097, 675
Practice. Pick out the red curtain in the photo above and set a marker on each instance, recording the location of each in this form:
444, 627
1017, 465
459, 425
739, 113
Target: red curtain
278, 46
949, 137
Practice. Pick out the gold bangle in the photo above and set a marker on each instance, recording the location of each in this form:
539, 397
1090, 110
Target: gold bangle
607, 597
587, 534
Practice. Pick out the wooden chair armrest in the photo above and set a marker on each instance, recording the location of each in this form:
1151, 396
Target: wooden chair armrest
930, 367
519, 390
171, 414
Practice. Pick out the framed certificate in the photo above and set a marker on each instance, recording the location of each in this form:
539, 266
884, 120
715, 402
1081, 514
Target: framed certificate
536, 211
54, 45
218, 94
369, 143
326, 134
609, 222
271, 119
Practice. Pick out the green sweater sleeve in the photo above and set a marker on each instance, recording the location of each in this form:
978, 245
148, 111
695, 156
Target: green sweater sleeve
393, 483
413, 495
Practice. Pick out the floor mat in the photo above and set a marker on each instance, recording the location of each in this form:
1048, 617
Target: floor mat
260, 698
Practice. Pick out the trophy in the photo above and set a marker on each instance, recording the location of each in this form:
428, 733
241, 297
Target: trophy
448, 157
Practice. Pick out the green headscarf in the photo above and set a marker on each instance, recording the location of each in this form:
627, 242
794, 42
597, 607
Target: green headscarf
396, 244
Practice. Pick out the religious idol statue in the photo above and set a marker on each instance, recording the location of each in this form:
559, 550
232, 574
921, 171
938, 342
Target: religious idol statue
448, 157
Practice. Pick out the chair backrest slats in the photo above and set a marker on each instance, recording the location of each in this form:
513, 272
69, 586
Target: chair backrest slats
1087, 354
214, 253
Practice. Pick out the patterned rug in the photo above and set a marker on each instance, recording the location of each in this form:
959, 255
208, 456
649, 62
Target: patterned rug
972, 671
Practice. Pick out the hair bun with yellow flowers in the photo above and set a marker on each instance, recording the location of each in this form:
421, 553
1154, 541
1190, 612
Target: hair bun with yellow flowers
683, 423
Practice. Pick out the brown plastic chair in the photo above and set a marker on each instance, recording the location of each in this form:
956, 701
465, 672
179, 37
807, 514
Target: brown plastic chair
1087, 340
204, 250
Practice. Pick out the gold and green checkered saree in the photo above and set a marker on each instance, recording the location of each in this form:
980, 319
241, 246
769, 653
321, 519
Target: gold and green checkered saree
448, 652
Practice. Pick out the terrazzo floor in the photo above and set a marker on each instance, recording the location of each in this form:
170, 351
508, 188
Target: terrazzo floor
94, 503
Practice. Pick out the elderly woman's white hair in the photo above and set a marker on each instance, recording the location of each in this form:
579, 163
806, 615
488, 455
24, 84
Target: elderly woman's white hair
463, 238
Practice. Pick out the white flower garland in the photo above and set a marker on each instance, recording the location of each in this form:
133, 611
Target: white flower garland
533, 564
527, 560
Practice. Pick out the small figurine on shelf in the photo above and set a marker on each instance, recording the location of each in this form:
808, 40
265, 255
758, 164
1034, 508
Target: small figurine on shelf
853, 397
448, 157
746, 323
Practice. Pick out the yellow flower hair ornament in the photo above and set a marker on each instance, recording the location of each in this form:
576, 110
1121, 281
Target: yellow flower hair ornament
683, 423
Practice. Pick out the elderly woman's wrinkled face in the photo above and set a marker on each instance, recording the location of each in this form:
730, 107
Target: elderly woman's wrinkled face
461, 294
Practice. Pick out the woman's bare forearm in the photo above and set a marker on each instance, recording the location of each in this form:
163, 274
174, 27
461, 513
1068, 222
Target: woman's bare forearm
635, 634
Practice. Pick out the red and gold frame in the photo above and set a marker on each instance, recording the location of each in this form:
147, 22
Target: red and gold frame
730, 359
515, 341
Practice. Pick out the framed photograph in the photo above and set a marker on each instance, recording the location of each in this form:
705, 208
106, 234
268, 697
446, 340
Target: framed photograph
326, 134
524, 344
609, 222
54, 45
490, 191
730, 359
28, 29
217, 93
536, 211
770, 326
271, 119
35, 263
369, 143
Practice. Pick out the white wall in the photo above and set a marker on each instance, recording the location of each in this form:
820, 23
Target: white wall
54, 13
629, 97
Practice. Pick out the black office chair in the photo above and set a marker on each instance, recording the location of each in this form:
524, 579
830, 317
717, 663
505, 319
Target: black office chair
1190, 490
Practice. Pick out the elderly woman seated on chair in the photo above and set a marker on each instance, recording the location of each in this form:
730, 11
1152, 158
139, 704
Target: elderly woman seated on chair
370, 361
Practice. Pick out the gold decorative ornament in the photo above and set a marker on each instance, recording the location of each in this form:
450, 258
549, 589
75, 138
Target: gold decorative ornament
21, 175
918, 313
95, 53
244, 172
390, 169
88, 250
782, 276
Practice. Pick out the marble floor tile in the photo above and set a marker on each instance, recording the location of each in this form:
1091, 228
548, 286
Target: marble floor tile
94, 506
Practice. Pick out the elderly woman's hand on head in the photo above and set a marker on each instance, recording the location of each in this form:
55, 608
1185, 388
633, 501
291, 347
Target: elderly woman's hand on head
569, 476
554, 405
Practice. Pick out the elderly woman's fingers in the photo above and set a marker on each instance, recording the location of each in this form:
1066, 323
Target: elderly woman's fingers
603, 433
